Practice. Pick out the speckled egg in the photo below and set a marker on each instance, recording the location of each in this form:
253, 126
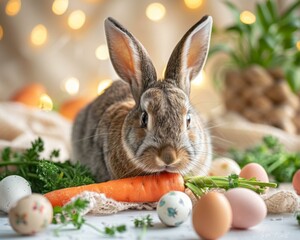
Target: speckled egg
174, 208
12, 188
31, 214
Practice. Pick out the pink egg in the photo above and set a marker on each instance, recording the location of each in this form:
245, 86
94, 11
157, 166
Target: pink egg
254, 170
296, 182
248, 208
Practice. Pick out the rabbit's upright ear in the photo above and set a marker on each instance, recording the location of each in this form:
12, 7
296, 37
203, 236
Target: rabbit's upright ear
129, 58
190, 54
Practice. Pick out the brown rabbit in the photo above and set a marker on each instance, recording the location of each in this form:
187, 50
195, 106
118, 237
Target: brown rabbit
143, 125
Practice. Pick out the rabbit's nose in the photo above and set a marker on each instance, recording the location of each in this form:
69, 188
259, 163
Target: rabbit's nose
168, 155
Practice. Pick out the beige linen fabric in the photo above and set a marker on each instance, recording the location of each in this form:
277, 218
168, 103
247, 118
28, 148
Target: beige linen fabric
20, 125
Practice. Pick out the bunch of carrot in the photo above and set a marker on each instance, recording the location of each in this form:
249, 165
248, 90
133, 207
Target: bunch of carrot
150, 188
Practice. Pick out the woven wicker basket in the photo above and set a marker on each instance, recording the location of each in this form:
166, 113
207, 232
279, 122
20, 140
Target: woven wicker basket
263, 96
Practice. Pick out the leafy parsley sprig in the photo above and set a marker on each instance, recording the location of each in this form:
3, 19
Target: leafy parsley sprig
73, 214
44, 175
143, 223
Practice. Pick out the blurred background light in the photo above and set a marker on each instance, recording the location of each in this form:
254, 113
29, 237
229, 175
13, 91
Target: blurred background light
76, 19
155, 11
1, 32
59, 7
39, 35
247, 17
104, 84
45, 103
102, 52
298, 45
193, 4
13, 7
71, 85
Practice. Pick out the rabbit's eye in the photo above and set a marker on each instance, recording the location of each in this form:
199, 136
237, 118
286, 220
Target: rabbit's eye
144, 120
188, 120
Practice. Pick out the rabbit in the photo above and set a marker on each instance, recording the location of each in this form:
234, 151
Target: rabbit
141, 125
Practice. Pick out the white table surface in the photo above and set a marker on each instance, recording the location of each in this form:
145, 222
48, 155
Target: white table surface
274, 227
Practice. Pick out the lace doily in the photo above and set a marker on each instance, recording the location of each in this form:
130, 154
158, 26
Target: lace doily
278, 201
101, 205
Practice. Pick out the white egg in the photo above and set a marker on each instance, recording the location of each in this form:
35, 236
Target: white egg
31, 214
12, 188
174, 208
224, 167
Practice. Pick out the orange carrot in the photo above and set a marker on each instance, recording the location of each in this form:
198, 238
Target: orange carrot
136, 189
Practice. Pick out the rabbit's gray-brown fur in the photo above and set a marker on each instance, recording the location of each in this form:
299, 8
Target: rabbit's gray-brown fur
142, 125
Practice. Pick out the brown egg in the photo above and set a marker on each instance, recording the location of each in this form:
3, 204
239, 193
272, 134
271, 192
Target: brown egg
212, 216
30, 94
70, 108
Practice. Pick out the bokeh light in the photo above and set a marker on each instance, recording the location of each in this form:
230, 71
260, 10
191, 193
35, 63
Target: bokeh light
39, 35
104, 84
247, 17
13, 7
298, 45
76, 19
102, 52
193, 4
45, 103
59, 7
71, 85
155, 11
1, 32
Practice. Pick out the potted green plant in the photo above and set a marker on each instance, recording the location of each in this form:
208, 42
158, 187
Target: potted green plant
262, 72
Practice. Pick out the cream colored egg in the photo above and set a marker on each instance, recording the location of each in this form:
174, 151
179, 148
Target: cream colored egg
224, 167
31, 214
248, 208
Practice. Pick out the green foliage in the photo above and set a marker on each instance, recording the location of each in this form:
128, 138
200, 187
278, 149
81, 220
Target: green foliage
298, 217
269, 42
199, 185
72, 213
143, 222
113, 230
272, 156
44, 175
